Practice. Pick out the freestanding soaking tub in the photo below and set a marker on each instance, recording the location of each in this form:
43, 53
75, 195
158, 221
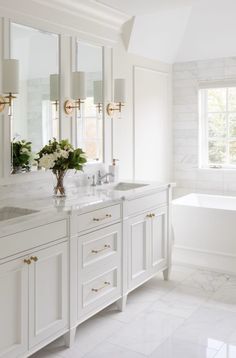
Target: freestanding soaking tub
204, 229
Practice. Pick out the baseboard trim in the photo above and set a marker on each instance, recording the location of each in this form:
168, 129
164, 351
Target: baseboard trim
220, 262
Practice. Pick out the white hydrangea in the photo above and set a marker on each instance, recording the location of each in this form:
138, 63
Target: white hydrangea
47, 161
24, 151
61, 154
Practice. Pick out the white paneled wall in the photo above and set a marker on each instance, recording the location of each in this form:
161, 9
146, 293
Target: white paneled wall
188, 177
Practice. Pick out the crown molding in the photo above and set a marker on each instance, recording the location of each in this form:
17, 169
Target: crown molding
84, 18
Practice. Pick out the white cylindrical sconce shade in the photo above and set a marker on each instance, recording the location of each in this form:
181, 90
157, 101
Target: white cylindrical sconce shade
98, 92
10, 76
78, 90
119, 90
54, 87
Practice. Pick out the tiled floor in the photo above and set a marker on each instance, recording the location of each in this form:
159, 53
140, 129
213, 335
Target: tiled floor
191, 316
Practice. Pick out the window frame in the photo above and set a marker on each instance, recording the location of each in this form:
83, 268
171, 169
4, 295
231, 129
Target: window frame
203, 128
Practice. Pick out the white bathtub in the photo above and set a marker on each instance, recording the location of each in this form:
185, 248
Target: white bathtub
205, 231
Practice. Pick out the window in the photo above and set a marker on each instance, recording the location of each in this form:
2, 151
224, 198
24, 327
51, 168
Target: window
218, 127
89, 121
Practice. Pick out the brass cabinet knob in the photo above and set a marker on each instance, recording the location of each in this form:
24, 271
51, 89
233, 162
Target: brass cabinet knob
153, 215
27, 261
34, 258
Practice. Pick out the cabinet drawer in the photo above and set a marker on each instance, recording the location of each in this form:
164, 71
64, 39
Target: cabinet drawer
100, 245
98, 217
28, 239
97, 290
144, 203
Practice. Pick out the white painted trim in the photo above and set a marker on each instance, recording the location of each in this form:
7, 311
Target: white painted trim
87, 20
212, 260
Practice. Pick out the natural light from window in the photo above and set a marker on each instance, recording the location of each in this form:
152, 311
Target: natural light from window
218, 127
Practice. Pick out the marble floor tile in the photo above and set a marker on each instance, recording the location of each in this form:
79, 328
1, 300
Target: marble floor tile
206, 280
210, 327
147, 332
180, 349
108, 350
224, 298
183, 301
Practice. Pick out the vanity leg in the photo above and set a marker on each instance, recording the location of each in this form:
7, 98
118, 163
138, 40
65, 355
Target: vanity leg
70, 337
121, 303
166, 274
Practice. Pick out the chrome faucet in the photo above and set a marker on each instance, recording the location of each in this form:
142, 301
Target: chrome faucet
101, 177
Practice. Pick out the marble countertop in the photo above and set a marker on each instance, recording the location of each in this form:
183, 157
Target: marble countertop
81, 198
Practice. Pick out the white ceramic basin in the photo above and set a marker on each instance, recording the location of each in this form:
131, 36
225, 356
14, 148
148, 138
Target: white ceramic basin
128, 186
10, 212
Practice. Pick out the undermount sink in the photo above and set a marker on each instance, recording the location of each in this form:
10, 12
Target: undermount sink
128, 186
10, 212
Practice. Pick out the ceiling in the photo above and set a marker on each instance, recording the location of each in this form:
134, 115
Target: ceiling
179, 30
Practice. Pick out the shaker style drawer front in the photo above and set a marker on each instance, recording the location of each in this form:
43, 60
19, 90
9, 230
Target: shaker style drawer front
100, 245
144, 203
98, 217
28, 239
100, 287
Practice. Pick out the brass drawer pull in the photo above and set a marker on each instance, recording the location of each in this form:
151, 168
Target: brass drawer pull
27, 261
101, 219
99, 250
106, 283
153, 215
34, 258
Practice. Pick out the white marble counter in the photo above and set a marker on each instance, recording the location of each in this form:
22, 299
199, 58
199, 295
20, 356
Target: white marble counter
82, 199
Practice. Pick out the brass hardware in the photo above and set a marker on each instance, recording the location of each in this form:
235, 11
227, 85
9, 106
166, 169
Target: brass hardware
101, 219
106, 283
3, 101
27, 261
149, 216
111, 108
34, 258
99, 107
70, 105
99, 250
153, 215
56, 104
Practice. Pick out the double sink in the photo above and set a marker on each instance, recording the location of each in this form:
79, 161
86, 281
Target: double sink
11, 212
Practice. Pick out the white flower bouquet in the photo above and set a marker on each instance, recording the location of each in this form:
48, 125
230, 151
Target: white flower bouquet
59, 157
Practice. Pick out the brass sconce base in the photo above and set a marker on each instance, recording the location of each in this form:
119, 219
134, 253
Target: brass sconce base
2, 104
110, 109
68, 107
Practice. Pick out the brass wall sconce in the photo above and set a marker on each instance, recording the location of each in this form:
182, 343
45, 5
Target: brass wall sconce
119, 97
78, 92
55, 89
10, 83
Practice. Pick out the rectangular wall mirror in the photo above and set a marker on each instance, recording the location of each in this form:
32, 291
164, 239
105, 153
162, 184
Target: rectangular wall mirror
36, 110
90, 118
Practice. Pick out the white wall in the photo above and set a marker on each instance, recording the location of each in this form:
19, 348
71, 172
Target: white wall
186, 77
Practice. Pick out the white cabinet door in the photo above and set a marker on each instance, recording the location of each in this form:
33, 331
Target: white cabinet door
48, 293
138, 232
158, 251
13, 308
